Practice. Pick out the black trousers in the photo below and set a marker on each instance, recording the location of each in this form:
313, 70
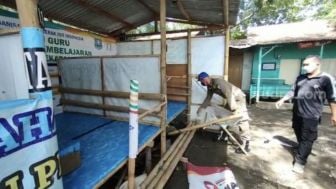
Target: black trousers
306, 133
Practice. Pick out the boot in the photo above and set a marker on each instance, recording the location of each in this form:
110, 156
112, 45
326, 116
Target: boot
246, 148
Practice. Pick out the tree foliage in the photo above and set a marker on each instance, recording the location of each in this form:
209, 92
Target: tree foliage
267, 12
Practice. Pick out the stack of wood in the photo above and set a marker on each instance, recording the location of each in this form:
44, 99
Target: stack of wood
163, 170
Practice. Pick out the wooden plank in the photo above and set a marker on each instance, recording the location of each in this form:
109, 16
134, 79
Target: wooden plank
177, 69
102, 72
100, 106
189, 75
113, 94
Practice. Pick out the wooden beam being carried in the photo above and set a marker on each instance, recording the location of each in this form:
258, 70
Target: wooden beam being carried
182, 9
102, 12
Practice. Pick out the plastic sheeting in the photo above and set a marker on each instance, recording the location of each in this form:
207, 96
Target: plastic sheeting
82, 73
13, 81
176, 51
134, 48
207, 54
119, 72
85, 73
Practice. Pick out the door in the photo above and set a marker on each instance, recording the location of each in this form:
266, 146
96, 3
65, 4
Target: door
289, 70
236, 69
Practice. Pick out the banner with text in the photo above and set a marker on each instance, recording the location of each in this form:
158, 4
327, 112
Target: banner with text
62, 41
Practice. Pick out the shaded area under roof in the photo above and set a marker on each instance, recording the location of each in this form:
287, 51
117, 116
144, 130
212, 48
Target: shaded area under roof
320, 30
118, 16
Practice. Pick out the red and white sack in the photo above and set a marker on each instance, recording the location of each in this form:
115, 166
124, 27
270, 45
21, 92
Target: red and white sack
200, 177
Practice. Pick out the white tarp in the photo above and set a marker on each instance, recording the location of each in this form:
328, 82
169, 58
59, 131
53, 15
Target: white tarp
13, 81
207, 54
134, 48
176, 51
85, 73
82, 73
119, 72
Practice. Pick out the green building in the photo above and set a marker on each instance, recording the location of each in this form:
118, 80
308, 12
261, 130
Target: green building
276, 53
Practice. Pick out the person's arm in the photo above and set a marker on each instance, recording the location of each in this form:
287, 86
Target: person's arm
207, 100
288, 96
331, 96
333, 113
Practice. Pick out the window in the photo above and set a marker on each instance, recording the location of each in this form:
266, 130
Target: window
268, 66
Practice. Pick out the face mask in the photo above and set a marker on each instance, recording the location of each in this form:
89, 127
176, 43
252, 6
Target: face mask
310, 68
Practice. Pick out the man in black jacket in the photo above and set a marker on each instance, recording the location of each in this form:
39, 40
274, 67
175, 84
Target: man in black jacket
309, 93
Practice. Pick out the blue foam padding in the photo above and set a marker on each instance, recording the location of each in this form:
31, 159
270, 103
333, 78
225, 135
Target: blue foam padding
174, 108
103, 143
102, 151
70, 148
71, 125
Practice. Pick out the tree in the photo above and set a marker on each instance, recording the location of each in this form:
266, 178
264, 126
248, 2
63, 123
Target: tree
267, 12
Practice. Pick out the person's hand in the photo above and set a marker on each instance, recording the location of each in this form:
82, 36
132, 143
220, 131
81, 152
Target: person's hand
333, 120
279, 103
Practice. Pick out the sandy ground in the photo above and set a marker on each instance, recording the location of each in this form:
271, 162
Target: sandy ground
270, 161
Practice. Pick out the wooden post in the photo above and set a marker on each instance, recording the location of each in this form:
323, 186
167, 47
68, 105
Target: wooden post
102, 83
259, 73
163, 72
189, 75
133, 132
227, 53
27, 10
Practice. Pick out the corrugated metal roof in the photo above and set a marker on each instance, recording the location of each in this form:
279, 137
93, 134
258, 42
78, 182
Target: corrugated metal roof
319, 30
109, 16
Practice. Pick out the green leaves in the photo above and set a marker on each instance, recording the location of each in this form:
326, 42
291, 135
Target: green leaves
267, 12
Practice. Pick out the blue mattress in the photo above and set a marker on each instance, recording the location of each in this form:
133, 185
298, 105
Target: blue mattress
102, 151
103, 143
174, 108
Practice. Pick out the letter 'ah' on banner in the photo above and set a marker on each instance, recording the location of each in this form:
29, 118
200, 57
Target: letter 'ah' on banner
28, 144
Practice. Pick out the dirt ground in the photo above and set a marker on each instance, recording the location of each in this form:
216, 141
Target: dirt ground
270, 161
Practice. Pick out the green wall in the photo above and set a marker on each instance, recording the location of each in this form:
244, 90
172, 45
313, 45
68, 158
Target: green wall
288, 51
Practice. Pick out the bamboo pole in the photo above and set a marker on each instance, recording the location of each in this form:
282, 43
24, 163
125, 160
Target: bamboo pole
162, 160
100, 106
166, 175
155, 109
227, 49
102, 83
166, 164
189, 74
178, 87
163, 72
9, 31
113, 94
178, 94
133, 132
234, 139
221, 120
